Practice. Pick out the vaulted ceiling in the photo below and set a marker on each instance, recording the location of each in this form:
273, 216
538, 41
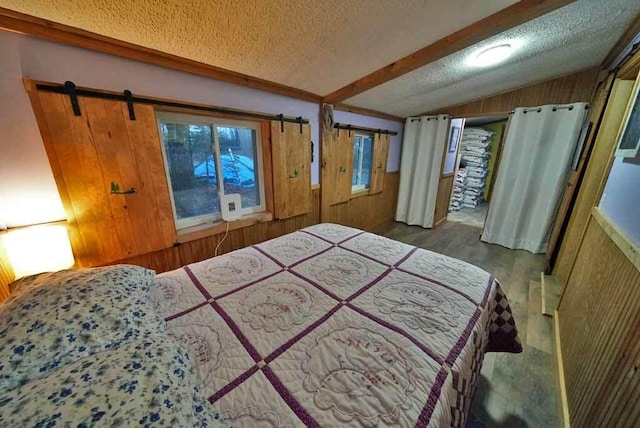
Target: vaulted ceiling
321, 46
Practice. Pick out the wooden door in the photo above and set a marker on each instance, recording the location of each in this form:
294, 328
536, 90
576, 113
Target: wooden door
379, 163
445, 185
341, 165
291, 153
87, 154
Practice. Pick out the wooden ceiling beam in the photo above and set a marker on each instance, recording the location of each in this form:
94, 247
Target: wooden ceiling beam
48, 30
503, 20
368, 112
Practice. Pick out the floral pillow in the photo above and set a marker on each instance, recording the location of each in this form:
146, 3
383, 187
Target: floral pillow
58, 318
147, 382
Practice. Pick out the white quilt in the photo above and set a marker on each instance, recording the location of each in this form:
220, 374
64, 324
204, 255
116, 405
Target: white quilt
332, 326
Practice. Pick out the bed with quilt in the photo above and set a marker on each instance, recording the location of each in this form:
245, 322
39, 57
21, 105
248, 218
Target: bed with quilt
332, 326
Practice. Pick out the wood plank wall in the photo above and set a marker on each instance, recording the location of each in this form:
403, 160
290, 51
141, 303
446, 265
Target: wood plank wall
200, 249
369, 211
567, 89
365, 212
588, 194
599, 319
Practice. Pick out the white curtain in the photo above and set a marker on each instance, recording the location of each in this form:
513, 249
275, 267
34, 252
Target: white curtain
422, 148
537, 155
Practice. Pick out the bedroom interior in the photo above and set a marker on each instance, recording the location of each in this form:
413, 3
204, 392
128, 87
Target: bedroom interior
430, 225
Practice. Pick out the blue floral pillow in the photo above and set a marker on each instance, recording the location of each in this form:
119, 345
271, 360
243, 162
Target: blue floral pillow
55, 319
147, 382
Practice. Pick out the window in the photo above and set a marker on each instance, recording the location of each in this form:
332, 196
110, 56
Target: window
362, 160
206, 158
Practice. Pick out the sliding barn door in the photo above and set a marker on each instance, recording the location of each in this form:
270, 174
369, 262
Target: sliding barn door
291, 151
379, 164
340, 165
110, 175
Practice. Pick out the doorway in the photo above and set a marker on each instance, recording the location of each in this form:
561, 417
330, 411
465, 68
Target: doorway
474, 164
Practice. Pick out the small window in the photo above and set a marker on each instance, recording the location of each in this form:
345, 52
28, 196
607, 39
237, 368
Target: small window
208, 157
362, 160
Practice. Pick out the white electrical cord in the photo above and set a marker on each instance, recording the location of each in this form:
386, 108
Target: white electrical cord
215, 253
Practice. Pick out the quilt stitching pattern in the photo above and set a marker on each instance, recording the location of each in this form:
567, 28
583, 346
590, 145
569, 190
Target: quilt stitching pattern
369, 366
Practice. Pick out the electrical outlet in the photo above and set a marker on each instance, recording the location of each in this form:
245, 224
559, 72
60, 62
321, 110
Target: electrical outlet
231, 206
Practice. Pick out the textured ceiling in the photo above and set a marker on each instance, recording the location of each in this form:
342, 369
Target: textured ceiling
318, 46
575, 37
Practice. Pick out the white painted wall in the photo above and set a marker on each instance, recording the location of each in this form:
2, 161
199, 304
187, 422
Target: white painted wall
395, 143
621, 197
28, 193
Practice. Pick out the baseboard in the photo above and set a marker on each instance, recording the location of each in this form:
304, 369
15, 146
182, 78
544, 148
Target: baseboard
564, 411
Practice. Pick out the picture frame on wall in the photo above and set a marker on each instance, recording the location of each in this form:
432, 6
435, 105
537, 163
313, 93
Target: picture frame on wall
628, 139
454, 137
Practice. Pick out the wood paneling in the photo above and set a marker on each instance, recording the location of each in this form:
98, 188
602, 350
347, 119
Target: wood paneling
563, 90
379, 162
588, 193
509, 17
599, 315
445, 186
21, 23
291, 152
201, 249
6, 272
89, 152
368, 212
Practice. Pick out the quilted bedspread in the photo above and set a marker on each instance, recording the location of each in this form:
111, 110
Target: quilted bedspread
332, 326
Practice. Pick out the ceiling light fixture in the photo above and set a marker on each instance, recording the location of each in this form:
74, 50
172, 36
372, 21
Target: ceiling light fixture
492, 55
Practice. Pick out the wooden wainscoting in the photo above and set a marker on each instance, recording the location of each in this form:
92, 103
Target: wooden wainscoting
599, 319
201, 249
369, 211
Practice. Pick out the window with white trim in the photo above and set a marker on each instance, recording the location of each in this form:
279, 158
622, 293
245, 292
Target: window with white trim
206, 158
362, 161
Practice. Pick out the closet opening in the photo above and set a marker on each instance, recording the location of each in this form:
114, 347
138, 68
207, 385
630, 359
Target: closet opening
472, 158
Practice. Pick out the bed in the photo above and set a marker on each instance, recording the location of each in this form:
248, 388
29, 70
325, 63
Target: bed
333, 326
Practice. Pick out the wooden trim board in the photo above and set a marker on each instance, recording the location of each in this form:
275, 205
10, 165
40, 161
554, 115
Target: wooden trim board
622, 43
564, 403
622, 241
48, 30
368, 112
505, 19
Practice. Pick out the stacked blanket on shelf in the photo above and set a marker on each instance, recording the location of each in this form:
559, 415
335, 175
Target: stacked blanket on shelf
459, 184
475, 150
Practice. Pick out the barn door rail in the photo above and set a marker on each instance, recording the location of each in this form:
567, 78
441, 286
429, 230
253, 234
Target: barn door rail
70, 89
364, 129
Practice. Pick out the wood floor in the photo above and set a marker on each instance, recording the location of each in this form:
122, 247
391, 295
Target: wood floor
516, 390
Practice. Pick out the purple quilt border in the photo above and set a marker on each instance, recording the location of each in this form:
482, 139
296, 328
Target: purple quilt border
400, 331
233, 384
293, 404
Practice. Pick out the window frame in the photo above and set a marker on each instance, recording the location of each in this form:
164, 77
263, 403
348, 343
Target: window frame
360, 188
207, 220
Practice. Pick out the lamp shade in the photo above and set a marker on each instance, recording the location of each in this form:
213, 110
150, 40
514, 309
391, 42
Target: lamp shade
38, 249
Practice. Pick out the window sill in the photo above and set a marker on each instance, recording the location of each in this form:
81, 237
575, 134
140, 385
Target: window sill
199, 232
359, 193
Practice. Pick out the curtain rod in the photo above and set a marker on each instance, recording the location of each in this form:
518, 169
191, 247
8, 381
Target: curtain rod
362, 128
69, 88
555, 108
